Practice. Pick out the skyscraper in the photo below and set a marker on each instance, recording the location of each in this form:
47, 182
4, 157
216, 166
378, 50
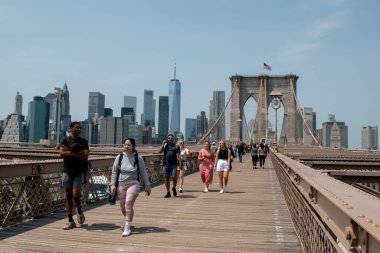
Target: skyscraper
113, 130
190, 126
174, 105
308, 115
334, 133
149, 114
370, 137
216, 108
163, 117
131, 102
18, 104
38, 119
202, 125
96, 102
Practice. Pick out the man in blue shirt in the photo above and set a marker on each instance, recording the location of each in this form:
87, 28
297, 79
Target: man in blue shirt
170, 161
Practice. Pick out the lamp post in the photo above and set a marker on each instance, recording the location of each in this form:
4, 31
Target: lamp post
276, 104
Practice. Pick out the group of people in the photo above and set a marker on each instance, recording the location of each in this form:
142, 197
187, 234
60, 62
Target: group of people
129, 169
259, 153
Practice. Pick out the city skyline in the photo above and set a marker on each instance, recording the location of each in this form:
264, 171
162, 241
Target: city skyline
332, 45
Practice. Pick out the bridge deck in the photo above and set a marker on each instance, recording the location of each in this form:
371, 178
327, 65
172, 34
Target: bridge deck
252, 217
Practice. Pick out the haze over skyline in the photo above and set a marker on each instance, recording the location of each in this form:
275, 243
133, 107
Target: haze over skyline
120, 48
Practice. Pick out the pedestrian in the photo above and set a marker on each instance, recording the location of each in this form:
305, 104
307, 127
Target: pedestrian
240, 148
222, 165
185, 153
74, 151
232, 155
171, 159
206, 164
262, 155
128, 176
214, 148
254, 154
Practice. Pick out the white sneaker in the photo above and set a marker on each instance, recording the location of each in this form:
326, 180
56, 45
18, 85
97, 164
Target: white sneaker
221, 191
225, 189
127, 231
205, 190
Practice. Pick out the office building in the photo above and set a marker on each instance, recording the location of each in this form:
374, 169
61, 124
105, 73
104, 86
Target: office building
135, 132
18, 104
14, 129
148, 117
131, 102
96, 102
216, 108
163, 117
38, 120
128, 113
174, 105
370, 137
334, 133
202, 125
108, 112
113, 130
190, 130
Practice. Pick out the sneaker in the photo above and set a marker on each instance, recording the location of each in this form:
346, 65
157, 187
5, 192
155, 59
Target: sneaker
127, 231
167, 195
69, 225
205, 190
225, 189
221, 191
180, 190
174, 191
81, 218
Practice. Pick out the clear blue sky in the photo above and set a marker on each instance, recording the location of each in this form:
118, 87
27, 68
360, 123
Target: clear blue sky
123, 47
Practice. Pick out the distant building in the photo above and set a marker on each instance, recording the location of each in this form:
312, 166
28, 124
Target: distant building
190, 130
370, 137
307, 130
163, 117
147, 135
38, 120
14, 129
108, 112
334, 133
18, 104
217, 105
96, 102
128, 113
131, 102
135, 132
174, 105
113, 130
202, 125
149, 115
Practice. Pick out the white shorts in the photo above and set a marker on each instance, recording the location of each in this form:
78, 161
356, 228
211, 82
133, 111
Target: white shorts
222, 165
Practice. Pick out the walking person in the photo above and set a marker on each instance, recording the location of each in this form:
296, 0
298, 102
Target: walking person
222, 165
232, 155
74, 151
185, 153
127, 172
262, 155
206, 159
255, 156
171, 158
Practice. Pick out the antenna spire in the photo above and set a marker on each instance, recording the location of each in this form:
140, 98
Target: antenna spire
175, 69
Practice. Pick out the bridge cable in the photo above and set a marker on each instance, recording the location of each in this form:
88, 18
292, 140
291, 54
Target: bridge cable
217, 120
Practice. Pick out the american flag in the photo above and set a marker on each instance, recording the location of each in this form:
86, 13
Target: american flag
267, 67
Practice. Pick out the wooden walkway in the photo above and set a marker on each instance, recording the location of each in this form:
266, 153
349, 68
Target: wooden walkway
251, 217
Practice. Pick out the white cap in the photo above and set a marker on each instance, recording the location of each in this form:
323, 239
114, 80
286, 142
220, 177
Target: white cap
213, 142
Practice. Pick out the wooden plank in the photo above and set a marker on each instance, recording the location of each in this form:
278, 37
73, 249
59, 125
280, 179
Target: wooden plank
251, 217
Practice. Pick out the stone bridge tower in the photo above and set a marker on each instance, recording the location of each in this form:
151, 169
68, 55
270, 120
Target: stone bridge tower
260, 88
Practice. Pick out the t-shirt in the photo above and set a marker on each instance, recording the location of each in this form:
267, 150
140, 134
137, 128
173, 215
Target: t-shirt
74, 165
170, 154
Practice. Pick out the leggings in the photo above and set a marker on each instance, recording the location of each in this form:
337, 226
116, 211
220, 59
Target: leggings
128, 191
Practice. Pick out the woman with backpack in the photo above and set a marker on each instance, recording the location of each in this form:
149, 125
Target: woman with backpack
125, 180
255, 156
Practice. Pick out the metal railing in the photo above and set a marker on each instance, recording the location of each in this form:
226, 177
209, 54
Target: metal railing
33, 188
328, 215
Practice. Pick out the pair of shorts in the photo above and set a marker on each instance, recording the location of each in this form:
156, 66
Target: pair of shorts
184, 166
170, 170
71, 183
222, 165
